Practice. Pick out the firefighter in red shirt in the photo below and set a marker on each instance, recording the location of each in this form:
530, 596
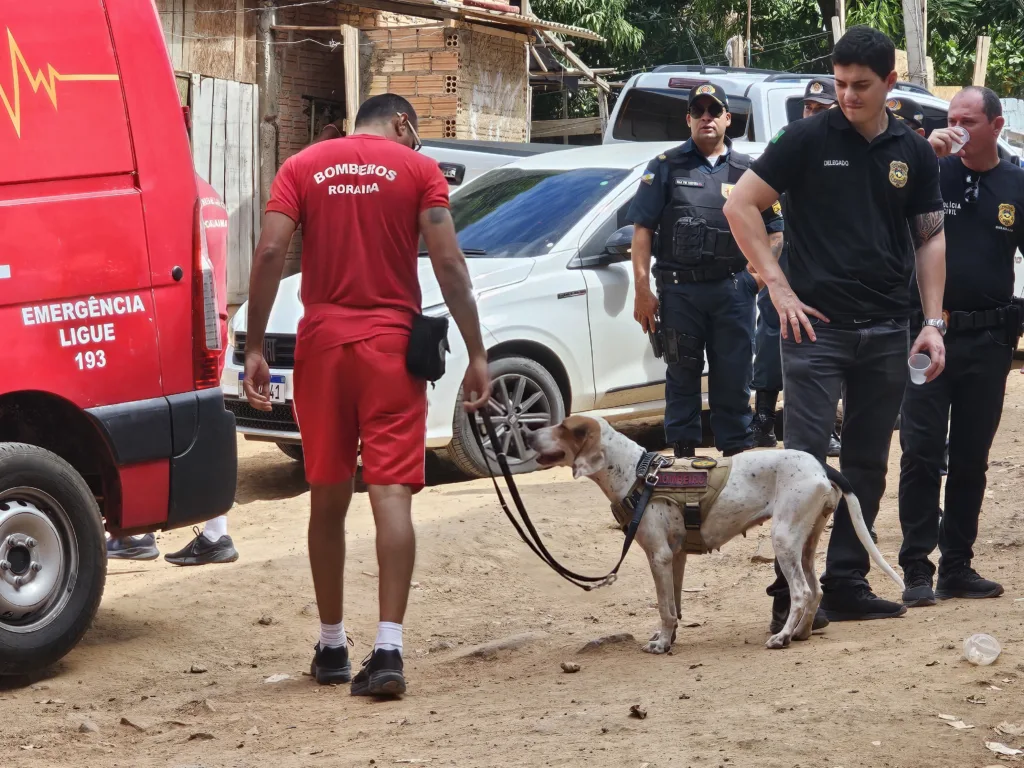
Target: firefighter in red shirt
212, 544
363, 202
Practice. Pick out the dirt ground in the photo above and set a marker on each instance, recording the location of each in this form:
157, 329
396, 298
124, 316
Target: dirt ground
176, 668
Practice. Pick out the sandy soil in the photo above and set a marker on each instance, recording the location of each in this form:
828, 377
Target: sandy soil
856, 695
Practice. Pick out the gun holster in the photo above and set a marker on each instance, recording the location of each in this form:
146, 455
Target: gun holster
664, 343
1015, 320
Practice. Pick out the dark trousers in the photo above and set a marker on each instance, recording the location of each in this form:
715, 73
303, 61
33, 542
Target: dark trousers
968, 399
867, 367
767, 350
720, 315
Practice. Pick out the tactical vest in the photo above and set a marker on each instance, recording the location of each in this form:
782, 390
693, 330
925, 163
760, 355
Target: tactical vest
693, 233
693, 489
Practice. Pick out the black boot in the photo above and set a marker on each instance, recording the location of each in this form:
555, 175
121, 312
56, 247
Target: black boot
763, 424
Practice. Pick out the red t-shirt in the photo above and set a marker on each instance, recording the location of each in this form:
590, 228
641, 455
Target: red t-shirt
358, 200
215, 219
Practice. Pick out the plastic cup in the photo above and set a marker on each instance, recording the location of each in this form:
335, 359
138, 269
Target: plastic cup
958, 145
918, 364
981, 650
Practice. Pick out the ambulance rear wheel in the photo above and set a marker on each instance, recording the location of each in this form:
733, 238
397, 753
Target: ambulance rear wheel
524, 398
53, 558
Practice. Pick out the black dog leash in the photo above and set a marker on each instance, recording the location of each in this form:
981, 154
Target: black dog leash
647, 469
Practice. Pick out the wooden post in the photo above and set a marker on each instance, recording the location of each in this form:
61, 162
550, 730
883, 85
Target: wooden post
841, 15
749, 14
350, 40
914, 23
268, 85
981, 59
735, 48
837, 29
565, 111
602, 109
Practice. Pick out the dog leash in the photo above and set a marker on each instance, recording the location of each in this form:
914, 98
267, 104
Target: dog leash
647, 469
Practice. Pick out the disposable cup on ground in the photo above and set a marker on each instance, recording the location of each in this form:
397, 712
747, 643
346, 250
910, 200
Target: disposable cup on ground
981, 649
918, 364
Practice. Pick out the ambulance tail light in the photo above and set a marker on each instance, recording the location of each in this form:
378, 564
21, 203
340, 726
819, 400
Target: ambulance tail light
206, 343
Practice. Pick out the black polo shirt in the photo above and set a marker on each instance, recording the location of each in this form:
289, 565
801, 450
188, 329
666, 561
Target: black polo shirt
982, 235
848, 204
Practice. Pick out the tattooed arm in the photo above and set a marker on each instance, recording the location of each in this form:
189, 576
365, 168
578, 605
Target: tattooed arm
930, 246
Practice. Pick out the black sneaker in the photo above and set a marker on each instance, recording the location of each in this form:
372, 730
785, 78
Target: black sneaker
133, 548
684, 450
834, 445
202, 551
859, 604
763, 427
780, 612
330, 665
918, 592
965, 582
381, 675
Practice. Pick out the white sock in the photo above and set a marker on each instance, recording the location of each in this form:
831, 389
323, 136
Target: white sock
389, 636
333, 635
216, 528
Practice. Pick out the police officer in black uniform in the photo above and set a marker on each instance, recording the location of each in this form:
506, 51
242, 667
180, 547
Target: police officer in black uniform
862, 191
705, 295
983, 198
909, 111
819, 95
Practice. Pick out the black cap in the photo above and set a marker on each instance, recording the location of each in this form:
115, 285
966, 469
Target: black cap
712, 91
821, 90
907, 110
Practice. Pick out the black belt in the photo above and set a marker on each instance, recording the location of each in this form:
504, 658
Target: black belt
979, 320
695, 275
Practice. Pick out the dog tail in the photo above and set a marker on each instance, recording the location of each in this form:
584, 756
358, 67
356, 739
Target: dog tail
838, 479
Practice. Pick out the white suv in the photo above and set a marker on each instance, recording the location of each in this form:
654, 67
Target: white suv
547, 246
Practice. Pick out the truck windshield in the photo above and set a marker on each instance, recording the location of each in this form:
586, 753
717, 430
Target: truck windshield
512, 212
656, 114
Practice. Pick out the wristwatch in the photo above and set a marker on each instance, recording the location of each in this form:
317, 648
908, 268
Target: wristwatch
937, 323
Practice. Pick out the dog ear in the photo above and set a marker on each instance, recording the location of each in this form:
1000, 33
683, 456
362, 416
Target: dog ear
589, 461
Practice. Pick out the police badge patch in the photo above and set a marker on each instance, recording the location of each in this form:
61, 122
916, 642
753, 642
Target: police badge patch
1007, 214
893, 104
898, 174
816, 88
777, 208
704, 90
647, 178
778, 135
726, 189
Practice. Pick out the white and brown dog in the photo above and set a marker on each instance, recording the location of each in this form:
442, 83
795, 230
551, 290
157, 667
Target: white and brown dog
789, 487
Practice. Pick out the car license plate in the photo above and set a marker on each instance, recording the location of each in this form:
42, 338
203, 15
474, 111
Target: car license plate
277, 388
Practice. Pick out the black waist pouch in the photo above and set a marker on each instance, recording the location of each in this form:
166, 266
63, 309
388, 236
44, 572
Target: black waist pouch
428, 345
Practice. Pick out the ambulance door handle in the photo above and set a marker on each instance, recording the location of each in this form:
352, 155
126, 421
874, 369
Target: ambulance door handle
177, 274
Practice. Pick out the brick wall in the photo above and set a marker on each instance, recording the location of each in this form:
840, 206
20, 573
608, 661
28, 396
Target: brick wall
462, 83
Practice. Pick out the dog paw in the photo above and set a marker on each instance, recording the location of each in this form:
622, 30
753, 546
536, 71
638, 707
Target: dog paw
780, 640
655, 646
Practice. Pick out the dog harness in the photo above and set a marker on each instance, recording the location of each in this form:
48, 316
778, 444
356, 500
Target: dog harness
692, 485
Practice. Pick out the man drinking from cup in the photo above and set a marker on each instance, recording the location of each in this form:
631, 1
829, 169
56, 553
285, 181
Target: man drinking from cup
983, 198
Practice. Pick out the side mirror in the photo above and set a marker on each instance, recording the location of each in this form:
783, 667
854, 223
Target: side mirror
454, 173
617, 249
621, 242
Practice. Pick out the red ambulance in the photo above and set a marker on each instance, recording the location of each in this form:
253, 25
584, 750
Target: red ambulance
110, 408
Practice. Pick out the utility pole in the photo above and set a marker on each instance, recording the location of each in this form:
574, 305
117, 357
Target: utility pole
915, 22
749, 13
981, 59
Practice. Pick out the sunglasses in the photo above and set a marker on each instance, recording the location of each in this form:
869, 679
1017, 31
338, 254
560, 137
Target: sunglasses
417, 144
971, 192
714, 109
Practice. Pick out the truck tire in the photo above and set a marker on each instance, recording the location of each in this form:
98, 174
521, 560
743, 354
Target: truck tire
534, 391
292, 451
51, 539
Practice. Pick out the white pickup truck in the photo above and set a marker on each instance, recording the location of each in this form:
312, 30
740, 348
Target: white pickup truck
652, 107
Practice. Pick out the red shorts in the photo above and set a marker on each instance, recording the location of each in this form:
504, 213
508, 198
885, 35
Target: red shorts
361, 393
